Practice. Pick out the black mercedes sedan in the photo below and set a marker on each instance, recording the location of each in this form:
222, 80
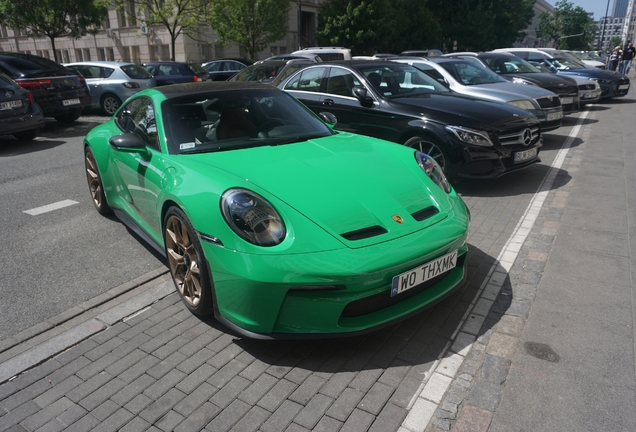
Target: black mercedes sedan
468, 137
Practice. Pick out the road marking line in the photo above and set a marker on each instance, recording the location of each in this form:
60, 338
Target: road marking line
429, 395
50, 207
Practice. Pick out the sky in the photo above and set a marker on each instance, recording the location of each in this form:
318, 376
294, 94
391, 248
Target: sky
596, 6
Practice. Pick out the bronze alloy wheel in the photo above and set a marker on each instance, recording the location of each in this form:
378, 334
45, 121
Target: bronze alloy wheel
428, 147
186, 263
95, 183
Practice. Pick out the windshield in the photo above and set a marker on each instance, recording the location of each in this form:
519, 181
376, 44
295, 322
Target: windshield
230, 120
398, 80
470, 73
136, 72
260, 72
565, 61
509, 65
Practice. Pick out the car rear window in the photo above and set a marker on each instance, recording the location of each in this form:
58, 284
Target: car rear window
32, 66
7, 83
197, 69
136, 72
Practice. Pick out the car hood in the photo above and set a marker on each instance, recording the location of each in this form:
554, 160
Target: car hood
594, 73
540, 78
507, 91
453, 109
342, 183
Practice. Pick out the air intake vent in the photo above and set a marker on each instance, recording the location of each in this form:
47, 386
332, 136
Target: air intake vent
364, 233
425, 213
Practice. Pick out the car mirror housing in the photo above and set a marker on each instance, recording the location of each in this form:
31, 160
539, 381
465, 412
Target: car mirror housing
328, 118
363, 95
127, 141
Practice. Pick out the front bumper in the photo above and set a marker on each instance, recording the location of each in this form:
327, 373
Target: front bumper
280, 296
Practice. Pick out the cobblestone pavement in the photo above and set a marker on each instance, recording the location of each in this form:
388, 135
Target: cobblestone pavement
136, 359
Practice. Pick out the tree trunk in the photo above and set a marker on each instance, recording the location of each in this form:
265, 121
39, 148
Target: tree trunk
54, 50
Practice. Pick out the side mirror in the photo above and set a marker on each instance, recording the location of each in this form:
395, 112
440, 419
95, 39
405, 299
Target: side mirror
128, 142
363, 96
328, 118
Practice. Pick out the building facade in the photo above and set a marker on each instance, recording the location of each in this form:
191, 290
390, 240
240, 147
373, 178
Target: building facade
121, 38
531, 40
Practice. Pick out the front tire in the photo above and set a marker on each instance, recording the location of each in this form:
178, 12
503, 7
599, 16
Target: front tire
425, 145
95, 183
187, 263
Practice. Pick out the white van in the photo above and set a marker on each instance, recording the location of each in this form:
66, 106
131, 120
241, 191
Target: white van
327, 53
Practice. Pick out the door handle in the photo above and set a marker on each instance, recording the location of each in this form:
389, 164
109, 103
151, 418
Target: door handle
328, 102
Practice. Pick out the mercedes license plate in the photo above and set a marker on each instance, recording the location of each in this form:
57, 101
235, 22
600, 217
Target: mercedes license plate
525, 155
421, 274
555, 115
9, 105
68, 102
567, 100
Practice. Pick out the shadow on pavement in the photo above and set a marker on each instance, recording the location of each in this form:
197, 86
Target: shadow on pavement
10, 146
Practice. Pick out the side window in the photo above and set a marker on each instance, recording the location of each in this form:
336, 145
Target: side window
535, 57
341, 82
138, 117
308, 80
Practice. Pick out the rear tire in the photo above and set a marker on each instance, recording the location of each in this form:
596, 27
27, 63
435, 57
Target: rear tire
70, 117
109, 104
26, 135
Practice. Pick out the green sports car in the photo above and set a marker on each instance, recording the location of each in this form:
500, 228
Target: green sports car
270, 219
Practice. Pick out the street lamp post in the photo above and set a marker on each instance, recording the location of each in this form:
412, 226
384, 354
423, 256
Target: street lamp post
600, 42
300, 27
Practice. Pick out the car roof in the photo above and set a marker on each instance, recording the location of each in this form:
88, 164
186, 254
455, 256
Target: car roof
100, 63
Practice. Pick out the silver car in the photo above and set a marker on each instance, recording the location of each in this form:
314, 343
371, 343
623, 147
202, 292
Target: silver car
111, 83
471, 78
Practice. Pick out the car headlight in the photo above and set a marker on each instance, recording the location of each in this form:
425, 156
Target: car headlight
523, 104
432, 170
518, 80
471, 136
252, 217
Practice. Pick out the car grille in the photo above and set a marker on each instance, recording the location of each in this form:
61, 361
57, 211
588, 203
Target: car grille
585, 87
549, 102
383, 300
516, 138
563, 91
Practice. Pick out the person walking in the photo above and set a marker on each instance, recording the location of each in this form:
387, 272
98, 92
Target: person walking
614, 58
629, 52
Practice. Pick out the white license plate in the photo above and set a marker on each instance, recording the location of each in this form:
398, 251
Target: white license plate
623, 87
421, 274
555, 115
567, 100
10, 104
525, 155
68, 102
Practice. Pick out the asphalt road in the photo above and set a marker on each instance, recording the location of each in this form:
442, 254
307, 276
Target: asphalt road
60, 258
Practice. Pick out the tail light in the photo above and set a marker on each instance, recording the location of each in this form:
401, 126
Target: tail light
197, 78
130, 84
31, 98
81, 79
33, 83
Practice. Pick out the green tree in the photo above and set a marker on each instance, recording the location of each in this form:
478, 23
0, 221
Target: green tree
569, 26
54, 18
251, 23
177, 16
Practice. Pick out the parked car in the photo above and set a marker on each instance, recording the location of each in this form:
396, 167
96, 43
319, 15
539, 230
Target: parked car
273, 222
612, 83
519, 71
60, 92
223, 69
167, 73
589, 89
312, 57
472, 78
270, 71
111, 83
20, 115
421, 53
468, 137
588, 60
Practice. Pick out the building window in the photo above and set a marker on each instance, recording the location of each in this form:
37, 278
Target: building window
101, 54
219, 52
125, 54
87, 54
65, 56
110, 54
165, 52
121, 18
78, 55
136, 57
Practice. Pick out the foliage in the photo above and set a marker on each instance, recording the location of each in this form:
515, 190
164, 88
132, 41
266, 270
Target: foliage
54, 18
177, 16
367, 26
251, 23
564, 23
